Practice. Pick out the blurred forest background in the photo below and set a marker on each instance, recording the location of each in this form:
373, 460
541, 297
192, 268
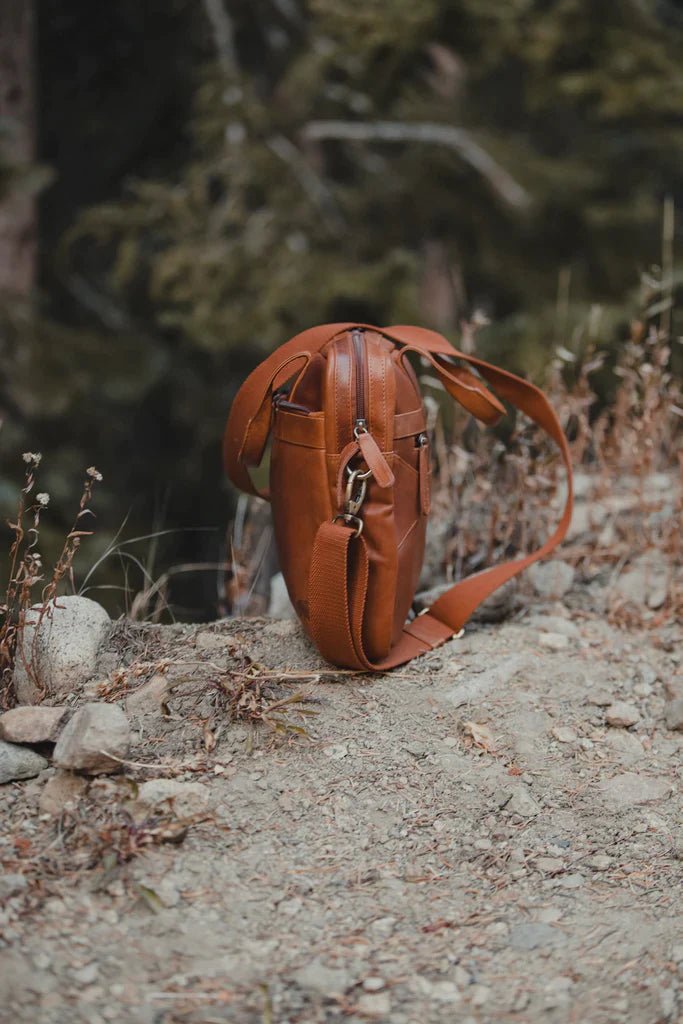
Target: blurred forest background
185, 185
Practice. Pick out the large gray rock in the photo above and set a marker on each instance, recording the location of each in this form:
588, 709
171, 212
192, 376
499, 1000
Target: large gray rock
58, 651
19, 762
32, 724
94, 732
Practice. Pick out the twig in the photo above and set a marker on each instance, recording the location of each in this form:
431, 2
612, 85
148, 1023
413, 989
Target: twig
223, 35
429, 132
311, 183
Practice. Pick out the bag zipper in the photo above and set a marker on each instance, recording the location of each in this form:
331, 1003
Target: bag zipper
370, 450
361, 373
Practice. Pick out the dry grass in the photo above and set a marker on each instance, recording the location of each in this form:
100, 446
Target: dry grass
26, 571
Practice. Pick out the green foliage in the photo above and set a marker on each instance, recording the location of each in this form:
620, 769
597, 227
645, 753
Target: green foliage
185, 275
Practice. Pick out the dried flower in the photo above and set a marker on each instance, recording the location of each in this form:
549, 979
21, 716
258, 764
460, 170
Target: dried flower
94, 473
43, 499
32, 458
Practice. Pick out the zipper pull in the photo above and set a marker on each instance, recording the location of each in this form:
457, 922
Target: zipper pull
422, 442
371, 452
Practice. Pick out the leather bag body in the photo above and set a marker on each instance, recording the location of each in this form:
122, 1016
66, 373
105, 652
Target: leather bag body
350, 481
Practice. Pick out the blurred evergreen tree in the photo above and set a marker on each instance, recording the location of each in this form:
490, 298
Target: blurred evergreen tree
230, 173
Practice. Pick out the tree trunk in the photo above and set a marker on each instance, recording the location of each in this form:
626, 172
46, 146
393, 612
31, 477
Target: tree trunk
17, 147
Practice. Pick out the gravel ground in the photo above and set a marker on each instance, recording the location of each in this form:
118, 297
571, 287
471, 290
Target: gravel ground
468, 839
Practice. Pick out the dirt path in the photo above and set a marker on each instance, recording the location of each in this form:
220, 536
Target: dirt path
406, 865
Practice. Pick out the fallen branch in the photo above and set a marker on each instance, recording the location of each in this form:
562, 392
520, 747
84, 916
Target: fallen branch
429, 132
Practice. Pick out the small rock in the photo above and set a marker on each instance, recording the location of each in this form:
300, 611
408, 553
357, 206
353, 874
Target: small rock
94, 732
326, 981
522, 802
19, 763
374, 984
646, 581
600, 698
60, 646
555, 624
479, 994
280, 605
11, 885
563, 734
553, 641
148, 698
375, 1004
530, 935
622, 714
186, 798
337, 751
626, 747
572, 881
63, 788
31, 724
599, 862
86, 975
630, 790
446, 992
673, 714
551, 579
549, 865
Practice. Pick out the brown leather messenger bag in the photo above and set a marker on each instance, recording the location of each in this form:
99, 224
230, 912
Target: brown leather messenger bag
350, 482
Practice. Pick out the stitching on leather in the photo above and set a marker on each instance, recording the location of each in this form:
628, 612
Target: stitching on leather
399, 458
407, 534
335, 417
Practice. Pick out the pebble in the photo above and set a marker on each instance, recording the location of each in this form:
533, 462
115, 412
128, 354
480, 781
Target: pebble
86, 975
148, 698
337, 751
479, 994
553, 641
63, 788
374, 984
531, 935
11, 884
630, 790
185, 798
551, 579
673, 714
626, 747
564, 734
601, 698
522, 802
549, 865
326, 981
95, 731
622, 714
375, 1004
31, 724
19, 763
599, 862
